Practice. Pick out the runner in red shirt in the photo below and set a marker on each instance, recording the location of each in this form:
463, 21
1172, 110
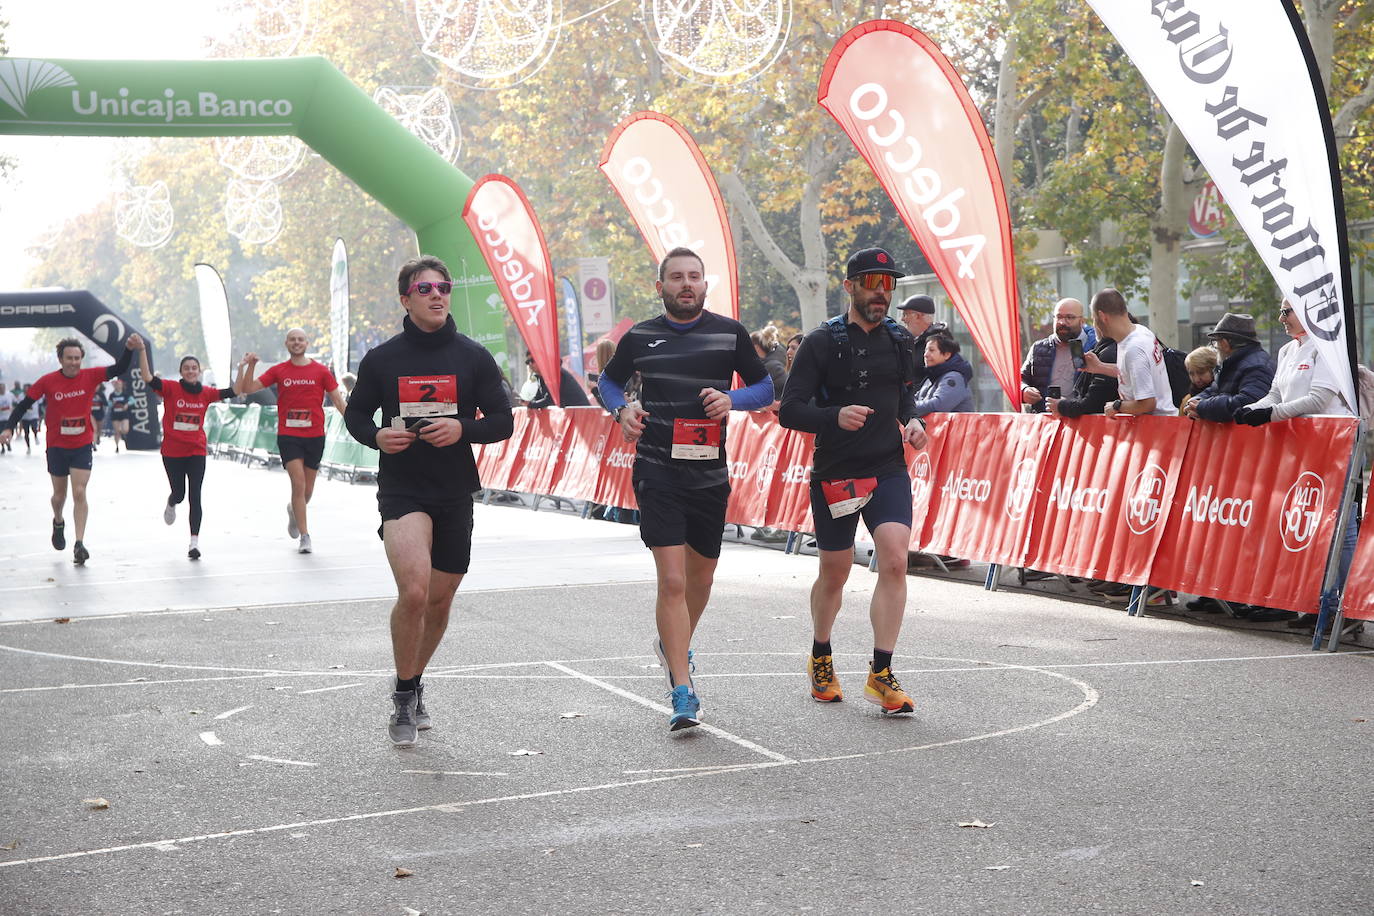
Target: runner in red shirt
302, 385
184, 404
69, 392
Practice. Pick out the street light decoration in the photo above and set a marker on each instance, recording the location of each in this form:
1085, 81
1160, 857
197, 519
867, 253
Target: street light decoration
489, 44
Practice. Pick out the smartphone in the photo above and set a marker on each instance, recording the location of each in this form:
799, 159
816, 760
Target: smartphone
1053, 392
1076, 351
417, 425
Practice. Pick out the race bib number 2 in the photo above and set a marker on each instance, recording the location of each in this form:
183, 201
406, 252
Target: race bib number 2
847, 496
696, 440
427, 395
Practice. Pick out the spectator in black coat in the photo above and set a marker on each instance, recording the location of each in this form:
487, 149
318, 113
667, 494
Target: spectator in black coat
1245, 375
1091, 392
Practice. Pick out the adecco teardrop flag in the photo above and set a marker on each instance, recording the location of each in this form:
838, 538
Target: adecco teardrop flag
656, 168
908, 113
505, 229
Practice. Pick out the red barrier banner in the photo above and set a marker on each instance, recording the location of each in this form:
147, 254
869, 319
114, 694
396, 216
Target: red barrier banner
503, 463
1102, 506
906, 110
920, 465
1254, 511
789, 499
542, 455
753, 444
583, 443
1358, 600
665, 183
615, 470
989, 469
506, 230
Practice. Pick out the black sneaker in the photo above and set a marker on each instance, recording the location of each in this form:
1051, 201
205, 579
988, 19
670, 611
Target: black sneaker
80, 554
1270, 615
193, 553
1204, 605
59, 535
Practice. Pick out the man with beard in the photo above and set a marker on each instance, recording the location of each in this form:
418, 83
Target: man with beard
1050, 362
686, 358
851, 385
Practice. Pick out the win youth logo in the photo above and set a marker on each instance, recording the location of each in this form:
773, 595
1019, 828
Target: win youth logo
922, 479
1021, 488
1145, 499
1302, 512
768, 466
20, 77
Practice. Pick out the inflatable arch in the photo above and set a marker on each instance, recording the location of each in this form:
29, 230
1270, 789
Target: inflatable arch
303, 96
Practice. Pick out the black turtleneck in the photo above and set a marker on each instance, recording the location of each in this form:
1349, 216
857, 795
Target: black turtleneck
435, 476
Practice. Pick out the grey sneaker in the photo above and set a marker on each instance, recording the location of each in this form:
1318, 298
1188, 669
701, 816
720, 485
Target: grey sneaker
401, 728
291, 528
305, 544
422, 721
169, 513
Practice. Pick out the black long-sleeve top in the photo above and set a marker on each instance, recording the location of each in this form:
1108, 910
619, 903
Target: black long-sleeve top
873, 449
429, 474
1092, 393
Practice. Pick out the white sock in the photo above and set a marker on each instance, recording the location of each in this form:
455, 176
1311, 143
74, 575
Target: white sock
195, 540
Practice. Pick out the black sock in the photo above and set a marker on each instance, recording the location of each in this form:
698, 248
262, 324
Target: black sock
820, 649
881, 660
404, 684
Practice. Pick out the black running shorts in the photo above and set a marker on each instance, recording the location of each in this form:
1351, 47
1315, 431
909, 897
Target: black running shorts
669, 516
310, 449
62, 460
891, 502
451, 548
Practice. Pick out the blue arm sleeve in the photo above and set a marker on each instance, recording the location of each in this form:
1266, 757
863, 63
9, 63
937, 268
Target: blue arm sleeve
754, 397
612, 394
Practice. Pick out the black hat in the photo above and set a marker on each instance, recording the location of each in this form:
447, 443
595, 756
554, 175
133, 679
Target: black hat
918, 303
1237, 326
871, 261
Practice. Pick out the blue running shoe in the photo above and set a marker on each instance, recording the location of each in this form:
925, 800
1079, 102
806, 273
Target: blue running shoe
686, 708
663, 662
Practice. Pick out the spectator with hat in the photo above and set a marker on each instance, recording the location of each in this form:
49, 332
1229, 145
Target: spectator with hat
1050, 362
1244, 376
918, 315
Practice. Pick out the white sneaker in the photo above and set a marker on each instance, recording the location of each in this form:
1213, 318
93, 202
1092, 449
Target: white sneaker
169, 514
305, 544
291, 528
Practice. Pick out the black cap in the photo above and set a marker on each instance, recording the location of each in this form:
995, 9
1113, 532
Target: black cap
918, 303
871, 261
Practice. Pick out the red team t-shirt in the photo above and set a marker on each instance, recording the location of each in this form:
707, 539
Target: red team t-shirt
300, 396
183, 417
69, 405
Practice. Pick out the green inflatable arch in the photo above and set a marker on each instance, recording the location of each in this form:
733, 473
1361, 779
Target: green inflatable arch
304, 96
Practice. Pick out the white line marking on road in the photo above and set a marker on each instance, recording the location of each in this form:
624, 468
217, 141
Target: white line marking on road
301, 693
53, 586
710, 769
232, 712
182, 680
450, 773
211, 739
294, 763
644, 701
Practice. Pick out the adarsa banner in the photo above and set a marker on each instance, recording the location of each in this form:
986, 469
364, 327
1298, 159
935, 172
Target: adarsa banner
504, 226
668, 189
1239, 79
907, 112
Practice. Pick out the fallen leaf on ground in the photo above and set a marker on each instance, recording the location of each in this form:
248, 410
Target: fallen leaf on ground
51, 579
1196, 883
96, 804
61, 619
571, 715
402, 872
523, 752
996, 867
138, 679
8, 846
1359, 720
975, 824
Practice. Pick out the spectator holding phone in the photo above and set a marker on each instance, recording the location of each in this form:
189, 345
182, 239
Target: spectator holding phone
1092, 391
1056, 360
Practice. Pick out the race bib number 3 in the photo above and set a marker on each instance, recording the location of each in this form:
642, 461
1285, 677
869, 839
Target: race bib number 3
298, 419
186, 422
696, 440
427, 395
847, 496
73, 426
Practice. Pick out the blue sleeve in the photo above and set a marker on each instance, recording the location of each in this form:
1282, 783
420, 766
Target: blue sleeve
754, 397
612, 392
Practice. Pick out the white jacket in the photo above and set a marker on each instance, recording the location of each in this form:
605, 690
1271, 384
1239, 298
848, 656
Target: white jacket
1302, 385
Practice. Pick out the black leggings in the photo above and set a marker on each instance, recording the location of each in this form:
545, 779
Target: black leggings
181, 471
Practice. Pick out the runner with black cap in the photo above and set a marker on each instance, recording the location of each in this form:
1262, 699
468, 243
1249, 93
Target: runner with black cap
851, 385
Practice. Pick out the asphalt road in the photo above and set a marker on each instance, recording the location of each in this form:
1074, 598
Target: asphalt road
232, 712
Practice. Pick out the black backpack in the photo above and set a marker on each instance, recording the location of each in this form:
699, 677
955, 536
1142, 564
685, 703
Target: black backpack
839, 367
1179, 383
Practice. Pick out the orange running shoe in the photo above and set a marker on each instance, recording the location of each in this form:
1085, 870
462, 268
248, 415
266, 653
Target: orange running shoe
882, 688
825, 687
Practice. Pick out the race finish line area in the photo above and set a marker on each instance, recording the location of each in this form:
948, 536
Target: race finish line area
209, 736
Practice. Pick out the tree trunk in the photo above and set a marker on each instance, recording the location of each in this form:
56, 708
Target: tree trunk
1167, 229
1004, 113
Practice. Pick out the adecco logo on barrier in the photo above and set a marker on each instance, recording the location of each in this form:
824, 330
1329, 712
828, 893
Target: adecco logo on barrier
1302, 512
1145, 498
768, 465
1022, 488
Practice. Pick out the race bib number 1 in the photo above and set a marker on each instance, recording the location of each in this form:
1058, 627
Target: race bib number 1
696, 440
847, 496
427, 395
